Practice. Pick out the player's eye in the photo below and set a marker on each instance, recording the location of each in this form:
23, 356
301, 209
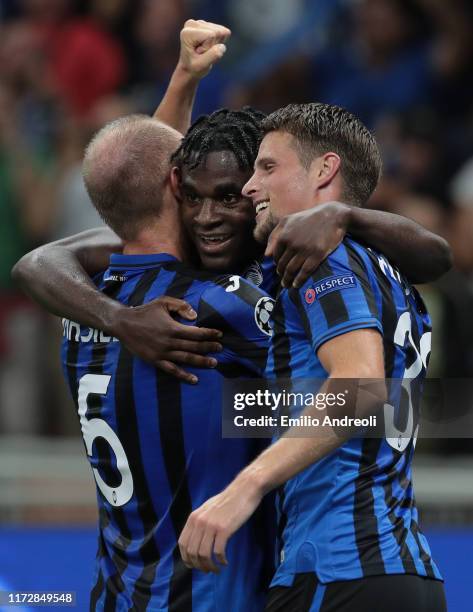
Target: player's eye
230, 198
192, 198
268, 166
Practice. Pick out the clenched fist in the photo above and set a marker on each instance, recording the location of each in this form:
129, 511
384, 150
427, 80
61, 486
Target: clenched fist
202, 45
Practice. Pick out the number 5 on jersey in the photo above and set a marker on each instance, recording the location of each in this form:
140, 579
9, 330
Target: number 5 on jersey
98, 428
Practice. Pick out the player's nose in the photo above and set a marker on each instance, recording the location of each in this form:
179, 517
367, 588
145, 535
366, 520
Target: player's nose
250, 188
207, 214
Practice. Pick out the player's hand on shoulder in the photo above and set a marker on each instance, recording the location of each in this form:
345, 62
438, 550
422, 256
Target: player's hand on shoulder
202, 45
301, 241
151, 333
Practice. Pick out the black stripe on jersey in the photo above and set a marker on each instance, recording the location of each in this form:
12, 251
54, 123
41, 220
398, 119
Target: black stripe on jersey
71, 367
282, 369
400, 532
280, 342
232, 339
233, 370
359, 268
128, 433
296, 298
185, 273
245, 291
282, 521
174, 455
425, 558
332, 304
364, 516
388, 317
96, 592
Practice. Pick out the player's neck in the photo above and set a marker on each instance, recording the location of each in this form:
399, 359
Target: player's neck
330, 193
163, 236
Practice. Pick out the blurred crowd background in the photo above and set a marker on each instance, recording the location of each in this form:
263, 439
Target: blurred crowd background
67, 67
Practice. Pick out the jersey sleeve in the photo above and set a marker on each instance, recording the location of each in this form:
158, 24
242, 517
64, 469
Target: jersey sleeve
339, 298
242, 312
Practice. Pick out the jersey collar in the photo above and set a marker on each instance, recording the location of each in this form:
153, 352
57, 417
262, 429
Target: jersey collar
119, 261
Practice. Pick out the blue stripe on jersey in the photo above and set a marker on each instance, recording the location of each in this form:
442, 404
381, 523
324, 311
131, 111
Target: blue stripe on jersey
271, 280
354, 508
171, 437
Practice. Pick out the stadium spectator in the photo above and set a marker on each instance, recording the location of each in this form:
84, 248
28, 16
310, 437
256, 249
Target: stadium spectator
84, 62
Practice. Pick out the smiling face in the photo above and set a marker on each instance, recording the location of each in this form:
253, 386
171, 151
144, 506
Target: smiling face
218, 219
280, 185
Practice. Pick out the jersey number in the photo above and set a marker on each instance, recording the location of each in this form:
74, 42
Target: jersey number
98, 428
396, 438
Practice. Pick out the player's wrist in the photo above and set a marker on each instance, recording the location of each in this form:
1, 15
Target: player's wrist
253, 482
344, 215
356, 220
114, 317
184, 75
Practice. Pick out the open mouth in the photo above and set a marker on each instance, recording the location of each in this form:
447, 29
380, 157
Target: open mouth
212, 243
260, 206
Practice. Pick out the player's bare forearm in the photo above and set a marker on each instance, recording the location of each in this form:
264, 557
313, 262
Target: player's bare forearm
422, 256
176, 106
301, 241
58, 277
202, 45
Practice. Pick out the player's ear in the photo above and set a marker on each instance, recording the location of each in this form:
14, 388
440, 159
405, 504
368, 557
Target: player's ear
176, 183
326, 168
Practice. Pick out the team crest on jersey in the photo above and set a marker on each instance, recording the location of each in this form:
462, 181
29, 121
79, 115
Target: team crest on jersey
263, 311
310, 295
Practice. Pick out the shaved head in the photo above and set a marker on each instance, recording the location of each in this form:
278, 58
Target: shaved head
126, 168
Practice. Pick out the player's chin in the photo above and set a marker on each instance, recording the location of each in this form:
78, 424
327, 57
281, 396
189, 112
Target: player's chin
262, 231
221, 263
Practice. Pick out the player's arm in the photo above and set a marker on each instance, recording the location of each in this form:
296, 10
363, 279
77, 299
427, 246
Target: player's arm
57, 276
357, 354
202, 45
300, 242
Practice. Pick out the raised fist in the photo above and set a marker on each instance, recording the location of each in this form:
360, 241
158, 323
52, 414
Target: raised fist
202, 45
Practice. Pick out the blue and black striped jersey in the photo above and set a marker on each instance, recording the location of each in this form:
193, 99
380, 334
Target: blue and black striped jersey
353, 513
156, 449
262, 273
